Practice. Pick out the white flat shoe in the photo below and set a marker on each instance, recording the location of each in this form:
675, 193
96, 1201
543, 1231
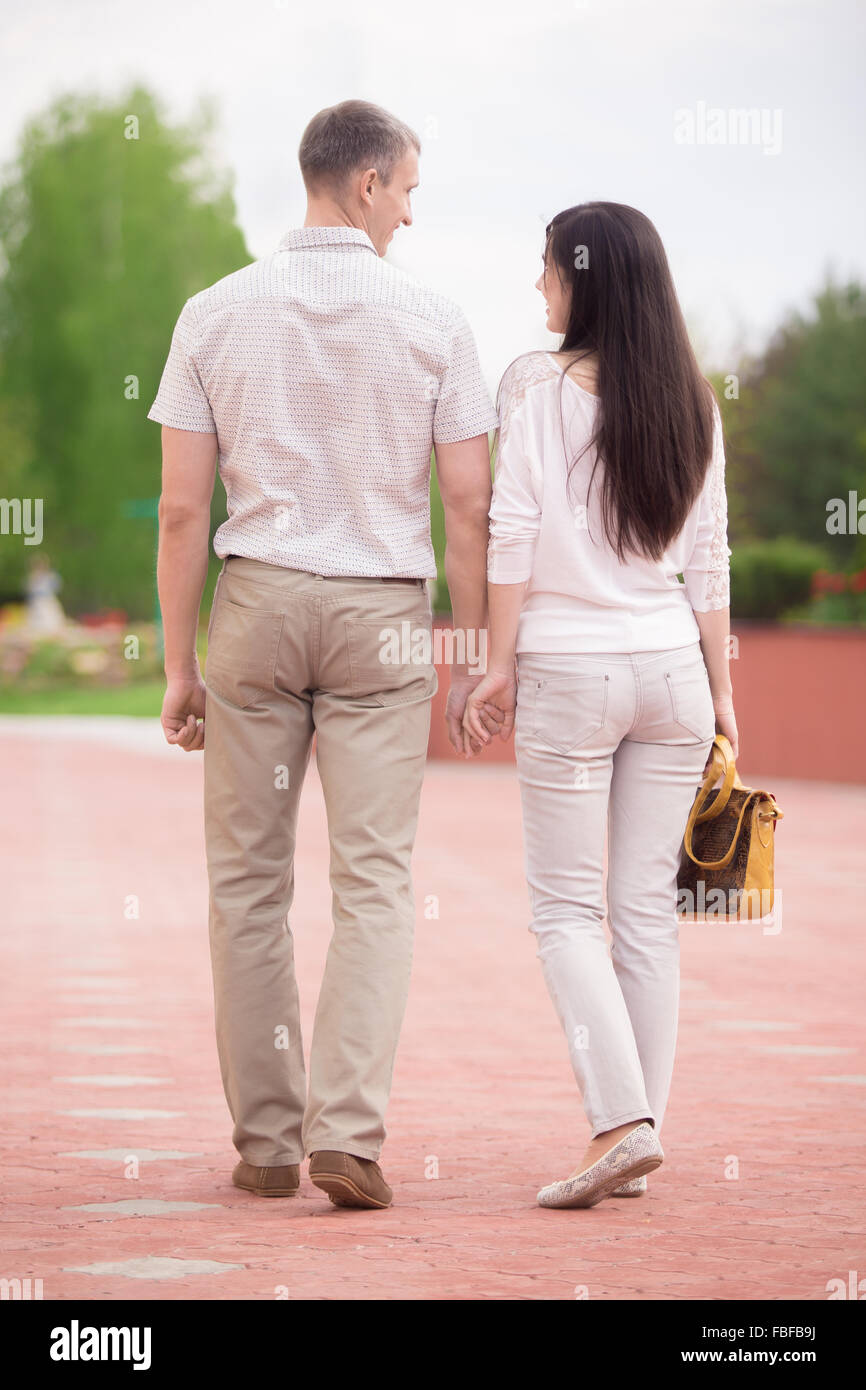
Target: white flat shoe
636, 1187
637, 1154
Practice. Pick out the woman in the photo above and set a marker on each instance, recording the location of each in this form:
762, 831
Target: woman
608, 653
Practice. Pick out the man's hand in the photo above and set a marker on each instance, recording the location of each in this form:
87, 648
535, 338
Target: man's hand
490, 708
183, 706
459, 691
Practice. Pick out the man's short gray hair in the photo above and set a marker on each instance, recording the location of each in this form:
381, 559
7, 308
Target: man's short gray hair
353, 135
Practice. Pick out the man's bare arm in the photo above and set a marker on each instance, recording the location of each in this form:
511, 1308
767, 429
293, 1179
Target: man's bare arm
188, 473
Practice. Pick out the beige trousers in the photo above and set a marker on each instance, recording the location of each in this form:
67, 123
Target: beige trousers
291, 654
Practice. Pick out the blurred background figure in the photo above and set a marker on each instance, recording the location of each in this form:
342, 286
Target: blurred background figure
44, 610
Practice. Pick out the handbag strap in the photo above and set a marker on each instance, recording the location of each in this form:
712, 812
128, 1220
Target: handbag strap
772, 813
721, 764
726, 858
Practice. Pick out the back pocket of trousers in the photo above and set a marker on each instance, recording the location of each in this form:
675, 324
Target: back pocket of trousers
242, 652
691, 701
391, 662
568, 710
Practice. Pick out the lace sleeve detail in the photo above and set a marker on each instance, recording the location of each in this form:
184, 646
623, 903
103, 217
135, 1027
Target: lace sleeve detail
515, 512
517, 379
708, 576
718, 590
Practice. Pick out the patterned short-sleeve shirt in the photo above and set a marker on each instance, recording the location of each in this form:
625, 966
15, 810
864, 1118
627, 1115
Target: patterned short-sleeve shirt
327, 375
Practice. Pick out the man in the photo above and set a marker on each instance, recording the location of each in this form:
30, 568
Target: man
319, 377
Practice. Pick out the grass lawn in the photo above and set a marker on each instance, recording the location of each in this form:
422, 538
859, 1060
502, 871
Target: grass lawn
144, 698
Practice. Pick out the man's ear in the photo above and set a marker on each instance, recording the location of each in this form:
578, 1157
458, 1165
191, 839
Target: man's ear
369, 179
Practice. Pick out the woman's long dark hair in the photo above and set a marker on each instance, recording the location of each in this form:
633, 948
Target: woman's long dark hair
655, 424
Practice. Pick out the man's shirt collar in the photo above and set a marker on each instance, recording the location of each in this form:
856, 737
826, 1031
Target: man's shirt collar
315, 238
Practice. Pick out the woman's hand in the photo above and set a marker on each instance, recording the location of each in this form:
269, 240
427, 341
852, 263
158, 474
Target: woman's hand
492, 702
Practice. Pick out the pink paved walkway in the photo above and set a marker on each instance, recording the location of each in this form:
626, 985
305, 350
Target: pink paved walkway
110, 1061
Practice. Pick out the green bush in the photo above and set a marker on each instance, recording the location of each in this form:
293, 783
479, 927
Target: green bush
768, 578
441, 596
78, 657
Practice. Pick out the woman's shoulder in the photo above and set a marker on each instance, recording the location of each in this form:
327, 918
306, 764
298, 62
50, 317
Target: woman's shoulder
528, 370
581, 368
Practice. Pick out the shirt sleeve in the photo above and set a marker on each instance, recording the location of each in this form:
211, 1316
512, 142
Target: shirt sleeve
707, 574
515, 511
181, 401
463, 405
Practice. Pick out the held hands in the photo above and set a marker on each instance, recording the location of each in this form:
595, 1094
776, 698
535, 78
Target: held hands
459, 691
489, 710
182, 708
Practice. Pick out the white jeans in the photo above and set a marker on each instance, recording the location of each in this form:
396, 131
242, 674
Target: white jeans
616, 742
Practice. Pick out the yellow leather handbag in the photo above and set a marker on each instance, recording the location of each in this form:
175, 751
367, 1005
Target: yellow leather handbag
726, 868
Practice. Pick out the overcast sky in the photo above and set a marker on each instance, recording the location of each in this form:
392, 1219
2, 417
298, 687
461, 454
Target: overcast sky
522, 109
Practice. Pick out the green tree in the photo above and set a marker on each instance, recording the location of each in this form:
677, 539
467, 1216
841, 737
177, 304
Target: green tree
110, 219
796, 435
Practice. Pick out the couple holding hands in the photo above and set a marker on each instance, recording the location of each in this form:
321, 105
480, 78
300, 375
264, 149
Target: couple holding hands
318, 380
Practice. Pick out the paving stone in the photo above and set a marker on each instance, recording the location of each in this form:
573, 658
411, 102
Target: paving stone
156, 1267
87, 982
110, 1113
94, 1021
147, 1207
742, 1025
857, 1080
121, 1155
113, 1080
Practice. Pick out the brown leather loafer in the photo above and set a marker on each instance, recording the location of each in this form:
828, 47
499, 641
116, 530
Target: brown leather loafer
268, 1182
349, 1181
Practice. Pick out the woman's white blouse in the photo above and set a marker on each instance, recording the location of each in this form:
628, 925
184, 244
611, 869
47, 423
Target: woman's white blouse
580, 596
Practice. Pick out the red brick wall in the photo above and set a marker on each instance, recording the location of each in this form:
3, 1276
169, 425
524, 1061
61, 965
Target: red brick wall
800, 696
